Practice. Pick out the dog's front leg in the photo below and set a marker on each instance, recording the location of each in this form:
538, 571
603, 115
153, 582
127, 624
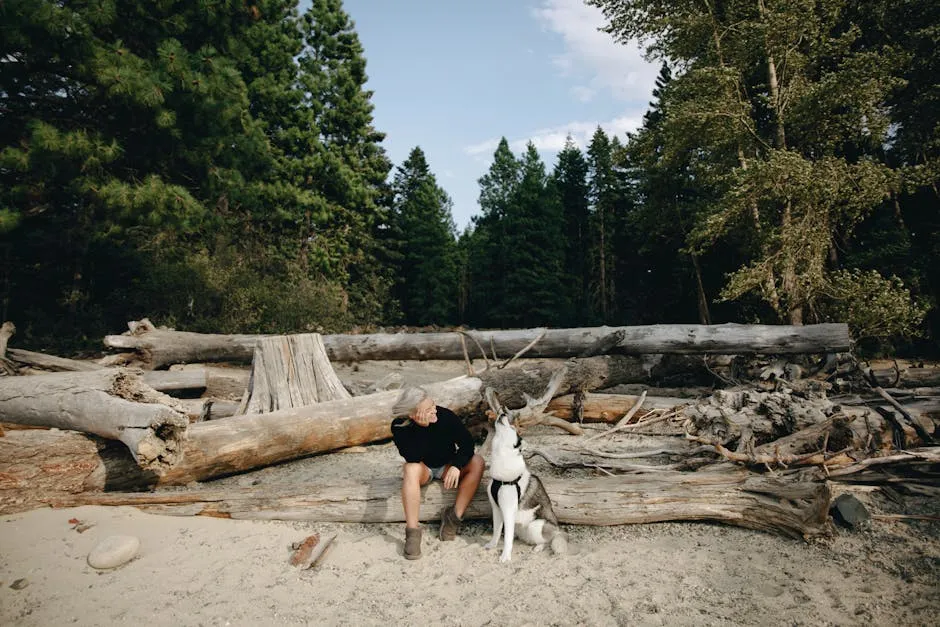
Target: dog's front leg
497, 522
508, 504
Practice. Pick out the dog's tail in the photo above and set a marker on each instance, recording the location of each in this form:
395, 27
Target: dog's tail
560, 543
557, 538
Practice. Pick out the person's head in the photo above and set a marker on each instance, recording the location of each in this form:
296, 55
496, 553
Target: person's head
414, 403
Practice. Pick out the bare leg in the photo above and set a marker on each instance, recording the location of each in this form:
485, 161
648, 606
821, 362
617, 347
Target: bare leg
414, 475
468, 483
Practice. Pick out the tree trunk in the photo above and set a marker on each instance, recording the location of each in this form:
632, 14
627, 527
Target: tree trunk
158, 348
114, 404
290, 371
729, 495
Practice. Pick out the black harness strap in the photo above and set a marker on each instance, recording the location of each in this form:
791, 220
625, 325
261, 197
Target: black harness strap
497, 484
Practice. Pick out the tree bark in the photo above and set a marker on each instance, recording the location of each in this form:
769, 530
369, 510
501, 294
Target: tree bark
609, 407
728, 495
114, 404
51, 362
158, 348
291, 371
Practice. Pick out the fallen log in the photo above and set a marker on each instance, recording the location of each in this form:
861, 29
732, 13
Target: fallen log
50, 362
592, 407
114, 404
240, 443
787, 506
158, 348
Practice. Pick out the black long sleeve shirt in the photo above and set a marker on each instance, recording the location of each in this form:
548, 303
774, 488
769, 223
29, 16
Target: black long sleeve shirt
444, 442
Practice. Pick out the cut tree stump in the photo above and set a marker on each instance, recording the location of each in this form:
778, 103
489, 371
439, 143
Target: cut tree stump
789, 506
157, 348
113, 403
291, 371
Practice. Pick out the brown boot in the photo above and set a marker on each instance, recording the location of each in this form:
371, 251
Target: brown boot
412, 543
450, 523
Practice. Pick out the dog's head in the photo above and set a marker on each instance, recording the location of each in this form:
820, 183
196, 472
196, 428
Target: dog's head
504, 432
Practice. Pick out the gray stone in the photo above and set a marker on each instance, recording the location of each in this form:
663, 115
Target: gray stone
849, 511
113, 551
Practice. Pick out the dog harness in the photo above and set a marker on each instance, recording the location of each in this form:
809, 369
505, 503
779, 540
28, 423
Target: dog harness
497, 484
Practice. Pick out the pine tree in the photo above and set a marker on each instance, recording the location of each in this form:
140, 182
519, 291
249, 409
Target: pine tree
349, 168
486, 246
569, 178
663, 283
124, 123
534, 252
427, 268
603, 198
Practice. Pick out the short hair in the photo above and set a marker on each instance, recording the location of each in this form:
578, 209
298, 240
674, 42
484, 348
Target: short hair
407, 401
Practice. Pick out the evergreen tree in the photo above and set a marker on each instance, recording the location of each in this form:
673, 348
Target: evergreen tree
486, 246
427, 270
534, 253
661, 283
603, 199
570, 180
123, 125
349, 167
794, 108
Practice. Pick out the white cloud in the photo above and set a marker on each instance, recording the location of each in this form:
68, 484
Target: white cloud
594, 55
552, 140
582, 93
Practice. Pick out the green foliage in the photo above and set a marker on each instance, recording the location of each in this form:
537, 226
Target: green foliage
427, 249
780, 117
873, 306
148, 131
569, 180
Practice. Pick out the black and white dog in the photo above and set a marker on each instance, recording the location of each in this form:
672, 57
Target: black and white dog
519, 501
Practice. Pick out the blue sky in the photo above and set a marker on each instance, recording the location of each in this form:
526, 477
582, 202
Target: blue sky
453, 77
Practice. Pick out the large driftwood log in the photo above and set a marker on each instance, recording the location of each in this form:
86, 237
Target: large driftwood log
730, 495
241, 443
158, 348
114, 404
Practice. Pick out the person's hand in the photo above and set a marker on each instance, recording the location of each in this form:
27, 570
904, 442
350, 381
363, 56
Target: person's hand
451, 477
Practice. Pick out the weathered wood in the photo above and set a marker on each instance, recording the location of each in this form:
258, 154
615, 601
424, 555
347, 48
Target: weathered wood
291, 371
176, 380
7, 329
51, 362
240, 443
158, 348
609, 407
728, 495
113, 404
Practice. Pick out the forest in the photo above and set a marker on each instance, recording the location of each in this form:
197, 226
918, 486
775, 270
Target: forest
214, 166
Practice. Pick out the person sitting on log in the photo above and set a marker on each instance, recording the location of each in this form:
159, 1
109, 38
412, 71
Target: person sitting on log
435, 445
